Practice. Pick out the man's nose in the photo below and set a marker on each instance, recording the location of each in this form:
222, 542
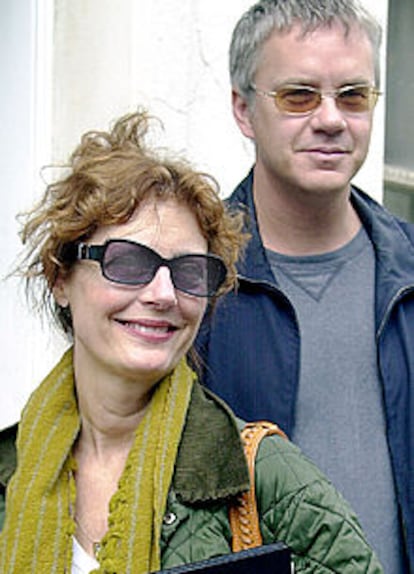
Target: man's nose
328, 116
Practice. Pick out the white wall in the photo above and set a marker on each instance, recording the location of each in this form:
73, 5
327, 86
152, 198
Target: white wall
178, 69
69, 66
22, 348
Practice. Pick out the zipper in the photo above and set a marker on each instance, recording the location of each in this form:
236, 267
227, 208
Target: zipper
399, 295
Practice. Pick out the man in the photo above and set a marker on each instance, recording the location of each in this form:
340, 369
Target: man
319, 336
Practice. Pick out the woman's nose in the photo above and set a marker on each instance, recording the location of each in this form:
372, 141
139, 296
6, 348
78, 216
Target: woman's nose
160, 290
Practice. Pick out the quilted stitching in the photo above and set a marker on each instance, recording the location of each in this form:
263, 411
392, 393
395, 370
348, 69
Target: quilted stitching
296, 504
196, 536
303, 509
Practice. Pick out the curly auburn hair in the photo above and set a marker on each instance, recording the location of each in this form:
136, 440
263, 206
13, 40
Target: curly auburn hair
110, 175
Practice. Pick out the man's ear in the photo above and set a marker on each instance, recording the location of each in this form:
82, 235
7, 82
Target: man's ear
242, 114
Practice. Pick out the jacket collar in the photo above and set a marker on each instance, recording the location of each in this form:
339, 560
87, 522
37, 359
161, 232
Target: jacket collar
210, 463
393, 241
253, 265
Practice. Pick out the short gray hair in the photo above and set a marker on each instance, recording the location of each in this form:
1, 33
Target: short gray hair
257, 24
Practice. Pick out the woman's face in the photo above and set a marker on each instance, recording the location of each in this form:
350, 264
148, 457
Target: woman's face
140, 332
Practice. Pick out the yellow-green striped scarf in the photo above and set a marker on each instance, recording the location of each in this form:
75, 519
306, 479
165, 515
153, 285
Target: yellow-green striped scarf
39, 524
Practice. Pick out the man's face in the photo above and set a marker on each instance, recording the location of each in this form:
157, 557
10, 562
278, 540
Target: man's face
321, 151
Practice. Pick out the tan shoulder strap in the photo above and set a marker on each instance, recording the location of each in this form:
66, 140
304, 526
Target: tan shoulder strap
244, 520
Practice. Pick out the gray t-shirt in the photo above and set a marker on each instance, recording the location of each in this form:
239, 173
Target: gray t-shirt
340, 421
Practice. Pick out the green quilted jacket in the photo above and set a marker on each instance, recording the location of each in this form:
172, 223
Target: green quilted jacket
297, 505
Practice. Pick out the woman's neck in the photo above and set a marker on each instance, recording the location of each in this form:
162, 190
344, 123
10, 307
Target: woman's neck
110, 406
109, 421
107, 434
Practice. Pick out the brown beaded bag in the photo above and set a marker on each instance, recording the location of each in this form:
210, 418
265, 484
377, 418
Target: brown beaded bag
244, 519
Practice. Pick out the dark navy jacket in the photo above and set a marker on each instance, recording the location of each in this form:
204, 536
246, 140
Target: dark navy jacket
251, 343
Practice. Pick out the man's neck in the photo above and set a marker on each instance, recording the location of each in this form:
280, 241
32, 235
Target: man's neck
299, 222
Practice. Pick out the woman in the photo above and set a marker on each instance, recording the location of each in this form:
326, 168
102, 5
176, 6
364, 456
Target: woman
125, 463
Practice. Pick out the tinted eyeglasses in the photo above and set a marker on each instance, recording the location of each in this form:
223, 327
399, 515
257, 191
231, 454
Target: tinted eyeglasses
302, 100
130, 263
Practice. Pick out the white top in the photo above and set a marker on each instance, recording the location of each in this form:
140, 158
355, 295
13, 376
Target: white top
82, 562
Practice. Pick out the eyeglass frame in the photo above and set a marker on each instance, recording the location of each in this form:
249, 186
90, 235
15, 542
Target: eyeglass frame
95, 252
374, 94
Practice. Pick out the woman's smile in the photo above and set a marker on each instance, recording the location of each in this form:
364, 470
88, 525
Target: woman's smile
154, 330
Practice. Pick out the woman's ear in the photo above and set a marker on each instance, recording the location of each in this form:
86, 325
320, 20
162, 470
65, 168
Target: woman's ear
59, 292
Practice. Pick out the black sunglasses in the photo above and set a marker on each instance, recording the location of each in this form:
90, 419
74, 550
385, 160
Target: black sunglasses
130, 263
